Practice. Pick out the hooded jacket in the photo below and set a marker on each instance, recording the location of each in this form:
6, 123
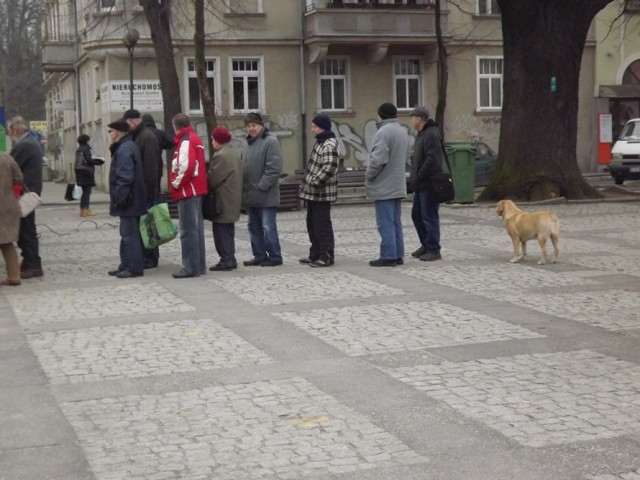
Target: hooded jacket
428, 156
262, 168
126, 184
385, 177
188, 176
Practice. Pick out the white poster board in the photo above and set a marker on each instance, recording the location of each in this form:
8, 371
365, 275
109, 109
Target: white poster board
605, 127
147, 96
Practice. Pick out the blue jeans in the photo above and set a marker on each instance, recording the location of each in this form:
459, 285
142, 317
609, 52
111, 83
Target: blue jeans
130, 245
191, 224
426, 219
389, 222
263, 233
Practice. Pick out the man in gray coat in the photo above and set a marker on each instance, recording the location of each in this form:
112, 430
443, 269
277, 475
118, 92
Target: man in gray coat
385, 183
261, 192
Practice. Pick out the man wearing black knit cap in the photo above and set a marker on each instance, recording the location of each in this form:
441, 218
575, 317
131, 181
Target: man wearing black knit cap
319, 189
385, 184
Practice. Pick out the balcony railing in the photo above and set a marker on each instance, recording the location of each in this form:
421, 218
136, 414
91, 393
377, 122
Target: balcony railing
370, 4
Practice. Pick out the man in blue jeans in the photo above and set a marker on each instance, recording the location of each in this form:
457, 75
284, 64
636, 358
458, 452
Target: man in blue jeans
428, 155
261, 192
386, 184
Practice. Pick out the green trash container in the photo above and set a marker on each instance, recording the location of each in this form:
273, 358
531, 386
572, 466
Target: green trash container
462, 157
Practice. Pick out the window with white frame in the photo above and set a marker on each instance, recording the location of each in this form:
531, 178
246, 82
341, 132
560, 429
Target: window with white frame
406, 81
488, 7
193, 91
489, 83
332, 74
246, 84
108, 5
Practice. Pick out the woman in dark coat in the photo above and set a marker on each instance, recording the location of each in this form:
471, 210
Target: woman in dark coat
85, 174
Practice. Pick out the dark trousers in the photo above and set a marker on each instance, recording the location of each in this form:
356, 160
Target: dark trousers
224, 239
86, 196
152, 255
130, 245
426, 219
320, 231
28, 243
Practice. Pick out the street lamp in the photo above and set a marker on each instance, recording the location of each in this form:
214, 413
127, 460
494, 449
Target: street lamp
130, 40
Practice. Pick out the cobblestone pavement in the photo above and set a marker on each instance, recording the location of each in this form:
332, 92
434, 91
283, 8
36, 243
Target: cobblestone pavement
470, 368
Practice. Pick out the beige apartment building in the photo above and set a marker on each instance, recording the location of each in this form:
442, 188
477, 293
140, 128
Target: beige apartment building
289, 59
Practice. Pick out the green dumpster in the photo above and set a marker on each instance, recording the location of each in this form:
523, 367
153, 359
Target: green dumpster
462, 157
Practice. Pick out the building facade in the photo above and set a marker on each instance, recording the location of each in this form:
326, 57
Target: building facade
288, 59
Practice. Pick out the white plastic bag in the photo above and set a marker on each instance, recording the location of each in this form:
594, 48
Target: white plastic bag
77, 192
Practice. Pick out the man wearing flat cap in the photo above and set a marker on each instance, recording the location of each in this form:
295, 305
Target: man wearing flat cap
128, 198
151, 156
428, 155
261, 192
386, 184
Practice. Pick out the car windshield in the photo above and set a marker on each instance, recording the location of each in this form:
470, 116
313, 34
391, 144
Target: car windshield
631, 131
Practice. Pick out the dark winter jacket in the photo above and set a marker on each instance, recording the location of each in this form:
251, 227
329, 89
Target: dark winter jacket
164, 139
428, 156
262, 168
27, 153
85, 177
126, 183
151, 157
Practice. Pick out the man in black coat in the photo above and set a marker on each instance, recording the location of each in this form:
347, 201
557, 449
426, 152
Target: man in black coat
150, 152
27, 153
428, 155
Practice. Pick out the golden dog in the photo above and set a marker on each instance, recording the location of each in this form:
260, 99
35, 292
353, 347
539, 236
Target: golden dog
523, 226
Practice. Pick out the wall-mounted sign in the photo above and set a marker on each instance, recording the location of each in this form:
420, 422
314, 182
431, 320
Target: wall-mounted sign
147, 96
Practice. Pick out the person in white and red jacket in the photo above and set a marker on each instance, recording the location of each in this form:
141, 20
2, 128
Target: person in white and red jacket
188, 184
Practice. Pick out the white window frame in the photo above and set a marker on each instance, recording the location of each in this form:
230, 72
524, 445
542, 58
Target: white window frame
116, 7
480, 77
215, 74
240, 74
405, 76
347, 83
487, 7
228, 9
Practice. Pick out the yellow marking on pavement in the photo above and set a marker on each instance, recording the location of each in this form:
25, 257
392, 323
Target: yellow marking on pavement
310, 421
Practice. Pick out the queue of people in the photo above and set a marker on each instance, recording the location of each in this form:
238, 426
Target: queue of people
250, 181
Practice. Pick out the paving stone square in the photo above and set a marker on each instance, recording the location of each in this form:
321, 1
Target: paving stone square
80, 252
123, 299
371, 252
287, 288
140, 350
610, 309
280, 429
82, 271
495, 281
626, 264
539, 399
386, 328
632, 475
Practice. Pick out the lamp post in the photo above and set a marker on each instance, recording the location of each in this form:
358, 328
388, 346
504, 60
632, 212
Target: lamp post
130, 40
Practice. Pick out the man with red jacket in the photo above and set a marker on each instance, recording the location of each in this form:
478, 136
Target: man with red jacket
188, 184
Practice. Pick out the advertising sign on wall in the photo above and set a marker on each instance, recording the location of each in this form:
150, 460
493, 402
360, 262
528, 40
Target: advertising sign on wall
147, 96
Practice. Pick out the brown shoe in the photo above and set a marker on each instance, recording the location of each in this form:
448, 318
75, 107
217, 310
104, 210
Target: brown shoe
31, 273
88, 213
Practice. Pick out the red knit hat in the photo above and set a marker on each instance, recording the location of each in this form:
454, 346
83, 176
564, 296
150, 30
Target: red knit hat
221, 135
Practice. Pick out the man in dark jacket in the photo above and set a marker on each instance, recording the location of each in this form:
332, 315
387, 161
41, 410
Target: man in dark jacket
27, 153
427, 160
151, 157
128, 198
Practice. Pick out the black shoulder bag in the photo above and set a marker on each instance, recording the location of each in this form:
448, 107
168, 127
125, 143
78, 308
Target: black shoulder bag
441, 183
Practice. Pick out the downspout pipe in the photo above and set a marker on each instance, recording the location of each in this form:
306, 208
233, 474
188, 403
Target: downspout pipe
303, 92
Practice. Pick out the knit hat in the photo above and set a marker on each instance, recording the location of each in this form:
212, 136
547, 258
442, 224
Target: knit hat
420, 112
322, 121
119, 125
133, 113
387, 110
221, 135
253, 117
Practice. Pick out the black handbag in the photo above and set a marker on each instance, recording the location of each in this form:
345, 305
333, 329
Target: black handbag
81, 164
211, 206
441, 183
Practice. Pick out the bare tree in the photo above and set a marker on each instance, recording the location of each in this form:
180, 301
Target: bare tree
158, 15
443, 70
543, 42
20, 58
206, 97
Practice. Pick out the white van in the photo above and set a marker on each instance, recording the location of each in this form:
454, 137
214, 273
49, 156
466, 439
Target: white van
625, 154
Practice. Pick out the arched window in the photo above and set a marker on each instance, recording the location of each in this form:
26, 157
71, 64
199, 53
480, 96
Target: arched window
632, 74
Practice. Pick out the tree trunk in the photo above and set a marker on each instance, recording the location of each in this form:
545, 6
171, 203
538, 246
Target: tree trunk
158, 14
543, 44
443, 72
206, 97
